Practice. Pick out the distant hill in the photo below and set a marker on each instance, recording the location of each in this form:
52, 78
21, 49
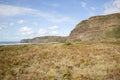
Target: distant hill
97, 28
105, 27
45, 39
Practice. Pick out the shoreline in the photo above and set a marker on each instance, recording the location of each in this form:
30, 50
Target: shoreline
12, 43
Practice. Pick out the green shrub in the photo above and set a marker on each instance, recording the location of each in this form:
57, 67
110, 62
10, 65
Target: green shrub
68, 43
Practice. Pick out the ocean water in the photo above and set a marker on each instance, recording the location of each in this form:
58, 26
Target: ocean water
12, 43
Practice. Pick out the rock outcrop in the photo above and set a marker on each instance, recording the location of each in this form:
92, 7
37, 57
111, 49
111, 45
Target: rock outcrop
44, 39
106, 27
97, 28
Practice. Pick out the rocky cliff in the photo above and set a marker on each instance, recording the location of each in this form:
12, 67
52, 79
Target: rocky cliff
97, 28
45, 39
105, 27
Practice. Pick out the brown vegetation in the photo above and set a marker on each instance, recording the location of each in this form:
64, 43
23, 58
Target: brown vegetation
61, 61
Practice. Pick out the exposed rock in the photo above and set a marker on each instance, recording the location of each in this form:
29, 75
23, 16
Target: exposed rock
97, 28
45, 39
105, 27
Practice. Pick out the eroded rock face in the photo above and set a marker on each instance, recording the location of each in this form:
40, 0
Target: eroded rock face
96, 28
106, 27
45, 39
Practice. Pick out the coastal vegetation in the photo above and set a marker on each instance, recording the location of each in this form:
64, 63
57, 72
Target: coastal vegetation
88, 60
90, 52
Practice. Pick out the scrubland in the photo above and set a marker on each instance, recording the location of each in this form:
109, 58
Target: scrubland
61, 61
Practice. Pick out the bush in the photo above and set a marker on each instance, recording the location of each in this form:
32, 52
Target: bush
68, 43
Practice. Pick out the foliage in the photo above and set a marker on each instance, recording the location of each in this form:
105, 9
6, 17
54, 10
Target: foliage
48, 61
68, 43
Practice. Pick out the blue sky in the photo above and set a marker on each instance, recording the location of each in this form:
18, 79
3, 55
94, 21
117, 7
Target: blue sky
21, 19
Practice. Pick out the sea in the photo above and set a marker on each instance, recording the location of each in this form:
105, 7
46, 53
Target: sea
12, 43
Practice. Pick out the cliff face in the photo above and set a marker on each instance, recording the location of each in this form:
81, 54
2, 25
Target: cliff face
45, 39
106, 27
96, 28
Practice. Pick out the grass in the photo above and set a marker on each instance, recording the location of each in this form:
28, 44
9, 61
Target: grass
114, 32
56, 61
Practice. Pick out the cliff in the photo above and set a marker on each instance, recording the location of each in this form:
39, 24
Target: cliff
97, 28
44, 39
105, 27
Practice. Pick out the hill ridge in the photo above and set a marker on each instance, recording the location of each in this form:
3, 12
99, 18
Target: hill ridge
96, 27
103, 27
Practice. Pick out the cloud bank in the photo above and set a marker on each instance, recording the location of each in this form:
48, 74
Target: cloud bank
53, 30
112, 7
26, 31
8, 10
11, 11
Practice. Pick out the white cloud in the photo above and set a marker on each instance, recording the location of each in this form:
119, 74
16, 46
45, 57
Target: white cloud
55, 18
42, 31
26, 31
93, 8
83, 4
91, 11
112, 7
60, 20
8, 10
20, 21
2, 27
54, 27
64, 33
53, 30
88, 8
35, 23
11, 24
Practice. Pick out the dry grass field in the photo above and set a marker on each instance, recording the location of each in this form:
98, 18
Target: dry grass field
61, 61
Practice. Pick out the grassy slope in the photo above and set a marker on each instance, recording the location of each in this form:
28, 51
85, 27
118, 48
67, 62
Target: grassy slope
114, 32
61, 61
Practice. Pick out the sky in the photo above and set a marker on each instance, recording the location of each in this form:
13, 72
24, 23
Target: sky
22, 19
